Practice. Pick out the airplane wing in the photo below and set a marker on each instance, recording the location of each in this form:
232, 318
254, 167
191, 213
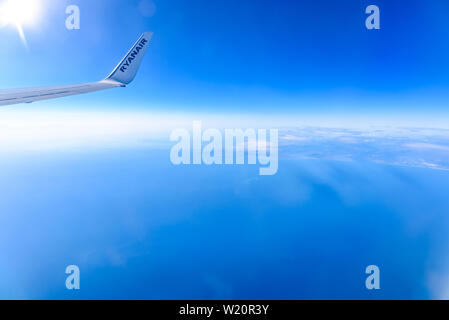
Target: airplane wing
122, 75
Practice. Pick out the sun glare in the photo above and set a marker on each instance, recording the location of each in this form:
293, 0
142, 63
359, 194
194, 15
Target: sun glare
19, 13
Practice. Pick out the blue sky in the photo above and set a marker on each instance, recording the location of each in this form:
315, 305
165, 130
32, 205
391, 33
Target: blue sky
243, 56
347, 194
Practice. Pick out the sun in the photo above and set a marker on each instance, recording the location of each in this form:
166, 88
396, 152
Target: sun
19, 13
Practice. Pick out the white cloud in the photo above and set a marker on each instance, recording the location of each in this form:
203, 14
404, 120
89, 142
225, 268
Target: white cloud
59, 130
428, 146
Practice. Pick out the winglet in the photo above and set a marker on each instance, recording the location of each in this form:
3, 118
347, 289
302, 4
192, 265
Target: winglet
127, 69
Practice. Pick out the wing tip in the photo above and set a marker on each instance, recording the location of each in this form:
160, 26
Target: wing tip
126, 70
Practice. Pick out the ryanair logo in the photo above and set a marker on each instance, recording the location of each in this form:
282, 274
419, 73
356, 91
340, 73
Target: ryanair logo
130, 58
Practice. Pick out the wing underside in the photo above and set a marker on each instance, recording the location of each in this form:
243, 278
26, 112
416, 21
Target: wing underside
8, 97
